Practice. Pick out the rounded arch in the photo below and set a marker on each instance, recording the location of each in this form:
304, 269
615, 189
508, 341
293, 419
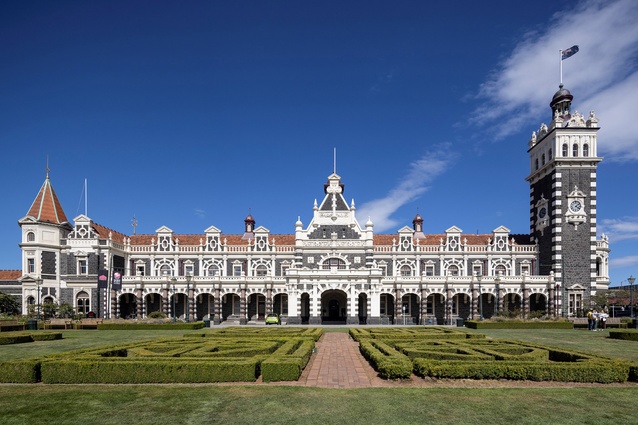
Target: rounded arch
152, 303
406, 267
164, 267
334, 261
538, 304
127, 304
204, 306
82, 303
304, 308
363, 308
453, 267
213, 268
386, 308
334, 306
256, 306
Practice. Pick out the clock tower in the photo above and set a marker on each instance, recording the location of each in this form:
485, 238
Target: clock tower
563, 162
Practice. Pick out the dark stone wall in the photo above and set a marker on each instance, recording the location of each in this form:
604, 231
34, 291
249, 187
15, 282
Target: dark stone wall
545, 244
326, 231
49, 265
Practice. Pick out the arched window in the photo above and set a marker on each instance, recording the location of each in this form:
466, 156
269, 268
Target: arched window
537, 163
453, 270
575, 150
30, 237
585, 149
261, 270
405, 270
166, 270
543, 159
500, 270
83, 303
334, 262
565, 150
550, 154
213, 270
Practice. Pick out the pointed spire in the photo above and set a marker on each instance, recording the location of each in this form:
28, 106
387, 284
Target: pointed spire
46, 207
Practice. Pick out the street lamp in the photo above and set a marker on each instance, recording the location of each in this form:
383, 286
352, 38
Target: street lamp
497, 283
479, 277
188, 294
631, 281
174, 281
38, 282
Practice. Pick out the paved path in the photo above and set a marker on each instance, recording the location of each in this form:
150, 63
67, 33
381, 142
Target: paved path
338, 363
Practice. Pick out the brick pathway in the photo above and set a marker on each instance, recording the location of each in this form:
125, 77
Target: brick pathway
338, 363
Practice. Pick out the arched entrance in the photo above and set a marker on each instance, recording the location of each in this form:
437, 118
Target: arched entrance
334, 307
128, 306
363, 309
204, 307
231, 306
435, 309
153, 303
256, 307
409, 309
512, 304
304, 311
386, 309
538, 304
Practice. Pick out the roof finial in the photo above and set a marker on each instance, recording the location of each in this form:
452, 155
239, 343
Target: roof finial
47, 169
134, 224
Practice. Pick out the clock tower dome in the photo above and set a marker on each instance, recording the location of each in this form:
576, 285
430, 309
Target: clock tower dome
563, 162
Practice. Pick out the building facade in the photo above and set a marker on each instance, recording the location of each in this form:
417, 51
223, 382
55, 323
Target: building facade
336, 269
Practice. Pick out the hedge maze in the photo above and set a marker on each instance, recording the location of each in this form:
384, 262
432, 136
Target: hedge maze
230, 355
445, 353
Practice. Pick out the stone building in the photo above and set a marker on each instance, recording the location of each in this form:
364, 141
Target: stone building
336, 269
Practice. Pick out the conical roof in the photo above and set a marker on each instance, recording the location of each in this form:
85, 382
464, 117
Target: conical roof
46, 207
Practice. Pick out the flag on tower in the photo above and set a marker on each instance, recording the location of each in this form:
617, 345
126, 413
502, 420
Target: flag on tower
567, 53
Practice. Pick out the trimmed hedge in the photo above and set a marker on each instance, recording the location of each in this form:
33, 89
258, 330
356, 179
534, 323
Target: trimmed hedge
430, 333
261, 332
287, 363
21, 337
595, 371
20, 371
390, 363
149, 326
109, 371
628, 335
481, 324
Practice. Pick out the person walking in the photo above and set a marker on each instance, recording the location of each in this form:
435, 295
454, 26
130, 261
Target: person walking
590, 318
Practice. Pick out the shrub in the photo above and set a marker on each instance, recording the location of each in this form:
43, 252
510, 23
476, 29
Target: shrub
156, 315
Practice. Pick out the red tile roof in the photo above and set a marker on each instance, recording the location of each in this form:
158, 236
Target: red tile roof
46, 207
10, 274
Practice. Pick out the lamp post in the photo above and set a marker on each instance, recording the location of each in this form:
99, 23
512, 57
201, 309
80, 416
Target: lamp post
479, 277
173, 281
631, 281
38, 282
188, 294
497, 283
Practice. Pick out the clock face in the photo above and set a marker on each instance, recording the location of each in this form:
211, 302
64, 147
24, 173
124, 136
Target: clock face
575, 206
542, 212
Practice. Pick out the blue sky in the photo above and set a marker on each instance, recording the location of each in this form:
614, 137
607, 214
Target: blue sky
196, 113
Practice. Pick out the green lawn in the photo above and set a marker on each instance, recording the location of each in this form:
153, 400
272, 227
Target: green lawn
281, 404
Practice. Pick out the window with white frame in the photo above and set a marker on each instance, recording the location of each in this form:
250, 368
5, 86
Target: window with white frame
213, 270
189, 269
30, 237
525, 268
83, 266
405, 270
166, 270
453, 270
261, 270
333, 262
30, 265
500, 270
284, 268
428, 270
237, 270
477, 269
140, 269
83, 303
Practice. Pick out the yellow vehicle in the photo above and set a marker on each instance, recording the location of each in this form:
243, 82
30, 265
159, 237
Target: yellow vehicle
273, 319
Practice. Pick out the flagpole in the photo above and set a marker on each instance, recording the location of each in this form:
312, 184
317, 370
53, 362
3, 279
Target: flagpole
560, 61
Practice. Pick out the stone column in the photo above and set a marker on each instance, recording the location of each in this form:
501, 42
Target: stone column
242, 306
139, 298
165, 300
424, 306
191, 302
217, 306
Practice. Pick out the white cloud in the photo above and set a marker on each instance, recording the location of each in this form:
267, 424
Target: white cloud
200, 213
628, 261
619, 229
603, 75
414, 184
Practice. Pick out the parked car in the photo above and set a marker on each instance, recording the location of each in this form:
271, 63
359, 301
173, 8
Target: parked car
273, 319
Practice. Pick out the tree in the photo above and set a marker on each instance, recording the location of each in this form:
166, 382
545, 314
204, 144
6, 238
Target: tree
8, 304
